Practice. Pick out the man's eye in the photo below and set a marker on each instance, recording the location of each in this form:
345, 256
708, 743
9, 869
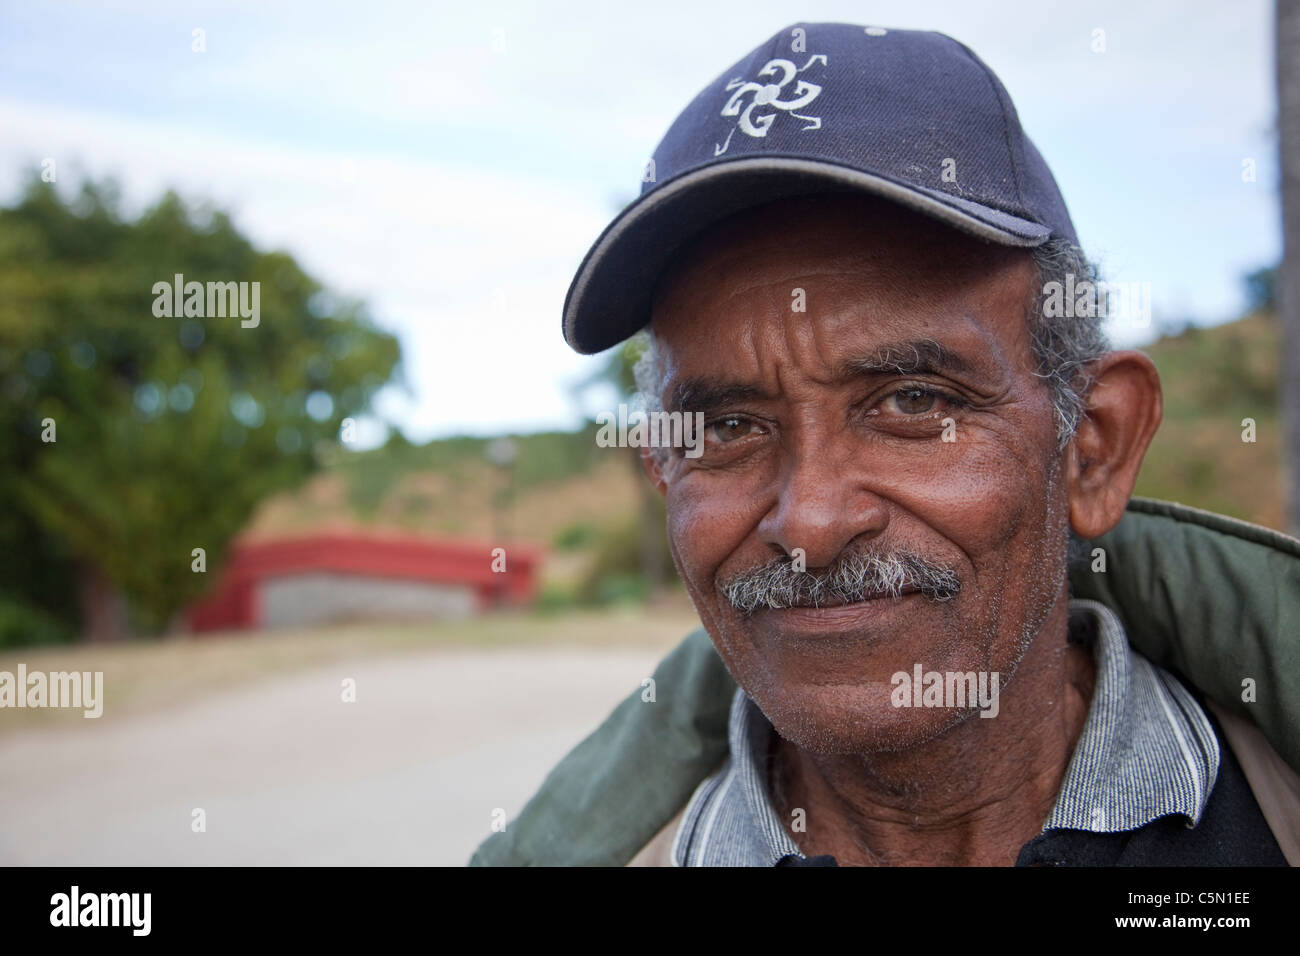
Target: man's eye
914, 400
729, 429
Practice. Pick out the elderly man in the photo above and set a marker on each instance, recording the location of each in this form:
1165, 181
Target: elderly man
842, 258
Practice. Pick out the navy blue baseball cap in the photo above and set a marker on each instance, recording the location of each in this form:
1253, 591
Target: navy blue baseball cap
909, 115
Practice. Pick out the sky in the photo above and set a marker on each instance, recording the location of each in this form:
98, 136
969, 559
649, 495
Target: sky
451, 163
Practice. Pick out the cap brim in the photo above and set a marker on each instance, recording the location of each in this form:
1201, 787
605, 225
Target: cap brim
609, 299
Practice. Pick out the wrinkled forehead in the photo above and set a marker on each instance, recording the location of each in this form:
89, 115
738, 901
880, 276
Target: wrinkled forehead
848, 271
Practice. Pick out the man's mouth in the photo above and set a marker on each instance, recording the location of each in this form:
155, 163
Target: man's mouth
835, 601
855, 617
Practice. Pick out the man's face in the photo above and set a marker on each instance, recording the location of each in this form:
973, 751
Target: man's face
826, 433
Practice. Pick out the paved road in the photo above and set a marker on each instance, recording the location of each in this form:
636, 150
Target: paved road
289, 774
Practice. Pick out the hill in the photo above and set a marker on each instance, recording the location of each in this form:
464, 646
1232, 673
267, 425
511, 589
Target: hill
1214, 378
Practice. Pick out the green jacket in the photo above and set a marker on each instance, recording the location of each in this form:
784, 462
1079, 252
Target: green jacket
1215, 600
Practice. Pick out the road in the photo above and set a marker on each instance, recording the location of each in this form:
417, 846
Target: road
286, 772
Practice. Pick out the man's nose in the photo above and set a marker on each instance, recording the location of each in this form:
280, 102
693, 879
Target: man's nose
822, 505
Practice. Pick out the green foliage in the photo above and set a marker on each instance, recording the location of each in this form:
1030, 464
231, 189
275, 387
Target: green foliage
1220, 372
577, 536
25, 624
618, 570
37, 572
554, 598
1213, 378
169, 430
1261, 290
542, 458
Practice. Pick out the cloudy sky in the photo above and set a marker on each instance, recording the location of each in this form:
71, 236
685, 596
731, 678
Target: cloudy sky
450, 163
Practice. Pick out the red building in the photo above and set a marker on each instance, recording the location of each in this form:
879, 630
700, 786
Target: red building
333, 576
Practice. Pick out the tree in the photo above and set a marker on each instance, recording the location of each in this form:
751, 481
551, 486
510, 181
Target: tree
615, 374
1261, 290
127, 439
1288, 121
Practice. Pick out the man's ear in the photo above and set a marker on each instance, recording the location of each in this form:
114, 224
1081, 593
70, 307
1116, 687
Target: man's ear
1124, 410
653, 467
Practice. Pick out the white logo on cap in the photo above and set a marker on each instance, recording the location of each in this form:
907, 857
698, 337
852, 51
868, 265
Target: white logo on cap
769, 94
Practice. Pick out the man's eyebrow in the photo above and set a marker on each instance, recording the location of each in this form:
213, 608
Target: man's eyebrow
918, 356
913, 357
707, 395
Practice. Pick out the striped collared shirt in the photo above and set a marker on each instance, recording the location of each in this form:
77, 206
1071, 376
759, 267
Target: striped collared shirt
1147, 750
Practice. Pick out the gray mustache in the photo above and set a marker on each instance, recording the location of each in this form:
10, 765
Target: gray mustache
858, 576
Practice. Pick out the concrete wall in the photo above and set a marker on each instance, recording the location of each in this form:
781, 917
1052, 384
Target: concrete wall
318, 597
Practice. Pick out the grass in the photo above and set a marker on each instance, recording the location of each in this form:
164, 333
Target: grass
1213, 379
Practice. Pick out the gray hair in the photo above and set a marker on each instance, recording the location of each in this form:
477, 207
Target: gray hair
851, 577
1063, 346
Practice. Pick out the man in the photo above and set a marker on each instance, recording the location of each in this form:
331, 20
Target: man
844, 259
